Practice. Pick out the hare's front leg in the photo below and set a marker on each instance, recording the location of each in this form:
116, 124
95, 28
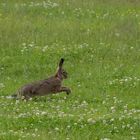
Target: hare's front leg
65, 89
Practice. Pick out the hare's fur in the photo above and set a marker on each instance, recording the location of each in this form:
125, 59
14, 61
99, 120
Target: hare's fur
51, 85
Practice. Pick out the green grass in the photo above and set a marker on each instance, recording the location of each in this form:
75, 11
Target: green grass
99, 40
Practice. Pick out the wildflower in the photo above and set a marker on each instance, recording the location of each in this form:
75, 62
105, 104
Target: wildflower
43, 113
91, 121
68, 126
133, 138
23, 44
112, 120
33, 134
112, 109
117, 34
128, 125
45, 48
105, 139
75, 123
57, 129
104, 121
2, 85
123, 126
103, 102
36, 129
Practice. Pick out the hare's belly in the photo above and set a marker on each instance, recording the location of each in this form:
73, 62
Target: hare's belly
43, 90
47, 89
39, 89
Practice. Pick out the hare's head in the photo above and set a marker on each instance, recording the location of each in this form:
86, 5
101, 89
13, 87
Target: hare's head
61, 73
64, 74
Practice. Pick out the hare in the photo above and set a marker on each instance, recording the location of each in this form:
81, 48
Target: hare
51, 85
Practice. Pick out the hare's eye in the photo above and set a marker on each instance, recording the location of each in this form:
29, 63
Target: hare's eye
65, 73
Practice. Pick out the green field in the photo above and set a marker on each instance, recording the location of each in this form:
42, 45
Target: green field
100, 41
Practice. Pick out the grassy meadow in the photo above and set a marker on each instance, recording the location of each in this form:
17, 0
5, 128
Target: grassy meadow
100, 41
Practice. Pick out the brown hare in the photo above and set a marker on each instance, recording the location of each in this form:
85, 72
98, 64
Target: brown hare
51, 85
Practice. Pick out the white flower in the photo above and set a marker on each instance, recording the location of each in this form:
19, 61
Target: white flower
33, 134
133, 138
125, 111
104, 121
105, 139
43, 113
2, 85
75, 123
123, 126
23, 44
68, 126
91, 121
57, 129
128, 125
112, 120
112, 109
45, 48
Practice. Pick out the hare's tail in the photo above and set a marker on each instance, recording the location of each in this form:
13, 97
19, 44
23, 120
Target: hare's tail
13, 96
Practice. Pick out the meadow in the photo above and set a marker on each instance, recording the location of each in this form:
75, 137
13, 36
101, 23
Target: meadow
100, 41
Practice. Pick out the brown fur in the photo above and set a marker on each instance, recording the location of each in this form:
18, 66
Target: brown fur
51, 85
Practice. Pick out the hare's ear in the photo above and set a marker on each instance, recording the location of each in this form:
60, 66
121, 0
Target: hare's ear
59, 67
61, 62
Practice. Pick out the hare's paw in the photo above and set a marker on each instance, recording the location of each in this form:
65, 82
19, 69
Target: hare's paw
68, 91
